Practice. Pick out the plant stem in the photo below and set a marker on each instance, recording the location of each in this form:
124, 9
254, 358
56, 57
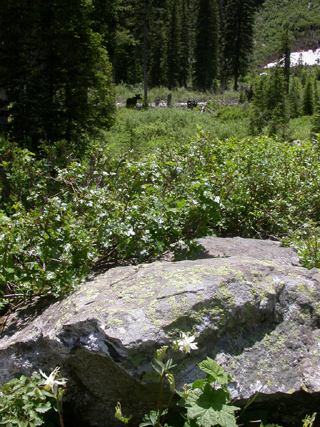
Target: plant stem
59, 406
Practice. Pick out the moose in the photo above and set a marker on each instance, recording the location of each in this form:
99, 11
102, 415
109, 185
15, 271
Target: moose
249, 93
132, 102
191, 103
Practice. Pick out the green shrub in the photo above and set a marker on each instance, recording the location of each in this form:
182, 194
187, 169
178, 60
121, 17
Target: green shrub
59, 222
25, 403
233, 112
306, 242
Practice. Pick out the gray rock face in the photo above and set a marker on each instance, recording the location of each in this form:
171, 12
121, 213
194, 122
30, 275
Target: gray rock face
251, 305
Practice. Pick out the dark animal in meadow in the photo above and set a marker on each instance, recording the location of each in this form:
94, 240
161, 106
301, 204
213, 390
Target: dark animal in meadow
132, 102
191, 103
249, 93
157, 101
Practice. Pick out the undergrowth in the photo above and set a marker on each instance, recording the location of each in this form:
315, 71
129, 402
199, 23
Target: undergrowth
60, 218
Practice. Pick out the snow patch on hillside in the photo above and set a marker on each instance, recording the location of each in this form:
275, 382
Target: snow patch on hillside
309, 57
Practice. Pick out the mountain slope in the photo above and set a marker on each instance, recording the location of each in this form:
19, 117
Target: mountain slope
301, 17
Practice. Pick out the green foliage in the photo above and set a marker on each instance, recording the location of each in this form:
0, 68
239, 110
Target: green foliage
25, 403
315, 129
238, 38
50, 94
144, 131
269, 107
207, 401
299, 129
60, 217
207, 405
269, 186
274, 16
206, 45
295, 98
308, 98
232, 112
119, 416
90, 213
306, 242
309, 420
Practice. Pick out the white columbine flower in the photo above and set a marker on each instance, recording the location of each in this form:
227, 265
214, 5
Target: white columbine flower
186, 343
51, 383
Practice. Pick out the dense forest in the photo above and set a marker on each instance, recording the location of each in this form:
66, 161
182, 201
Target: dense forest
56, 70
60, 60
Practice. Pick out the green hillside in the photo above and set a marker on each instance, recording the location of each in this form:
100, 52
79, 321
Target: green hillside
301, 17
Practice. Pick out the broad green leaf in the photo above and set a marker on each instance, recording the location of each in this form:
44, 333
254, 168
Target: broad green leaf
215, 371
43, 407
199, 384
209, 408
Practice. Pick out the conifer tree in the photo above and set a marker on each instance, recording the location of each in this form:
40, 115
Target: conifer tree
206, 63
258, 119
316, 91
129, 48
173, 44
308, 101
55, 71
157, 74
284, 57
185, 42
295, 98
223, 64
269, 106
315, 129
276, 109
108, 20
238, 39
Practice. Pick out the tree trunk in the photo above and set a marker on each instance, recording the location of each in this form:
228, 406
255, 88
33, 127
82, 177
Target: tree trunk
145, 83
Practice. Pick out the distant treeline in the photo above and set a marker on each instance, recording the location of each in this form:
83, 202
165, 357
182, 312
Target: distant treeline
58, 57
181, 42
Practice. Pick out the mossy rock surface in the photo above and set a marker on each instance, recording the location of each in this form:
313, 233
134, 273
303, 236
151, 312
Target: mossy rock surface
257, 316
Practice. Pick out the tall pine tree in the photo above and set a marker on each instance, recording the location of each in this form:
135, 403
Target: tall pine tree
55, 71
284, 55
185, 51
174, 44
157, 43
238, 37
206, 61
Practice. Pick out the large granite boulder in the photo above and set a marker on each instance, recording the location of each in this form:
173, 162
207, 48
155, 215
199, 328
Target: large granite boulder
253, 308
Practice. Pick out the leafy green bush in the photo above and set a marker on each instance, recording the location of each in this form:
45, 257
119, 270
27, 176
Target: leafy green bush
25, 403
232, 112
59, 218
93, 214
306, 241
267, 187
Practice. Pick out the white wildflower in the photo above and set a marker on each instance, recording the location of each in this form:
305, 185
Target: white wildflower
186, 344
51, 383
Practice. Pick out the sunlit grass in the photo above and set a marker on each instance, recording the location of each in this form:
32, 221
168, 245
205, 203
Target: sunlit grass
142, 131
145, 130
